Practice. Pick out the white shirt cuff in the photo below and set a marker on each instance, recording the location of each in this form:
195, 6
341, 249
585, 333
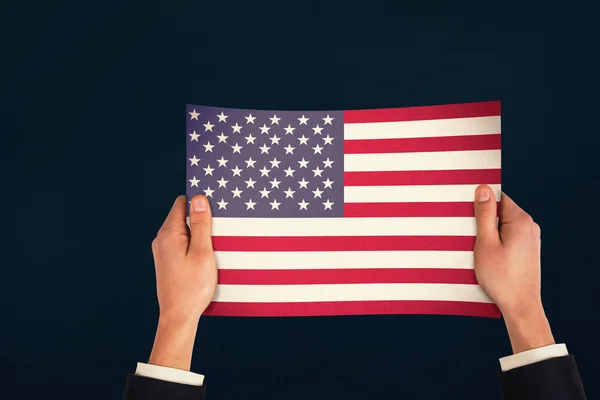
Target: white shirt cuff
169, 374
533, 356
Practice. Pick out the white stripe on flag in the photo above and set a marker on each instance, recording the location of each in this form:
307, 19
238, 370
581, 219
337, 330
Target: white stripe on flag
405, 226
349, 292
344, 260
427, 161
408, 194
427, 128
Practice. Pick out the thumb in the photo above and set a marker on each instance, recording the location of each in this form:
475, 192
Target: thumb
200, 226
485, 215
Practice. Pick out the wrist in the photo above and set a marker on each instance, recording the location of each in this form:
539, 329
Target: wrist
177, 321
174, 342
528, 328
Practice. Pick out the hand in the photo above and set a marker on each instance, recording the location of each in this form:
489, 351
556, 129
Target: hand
186, 280
508, 268
186, 273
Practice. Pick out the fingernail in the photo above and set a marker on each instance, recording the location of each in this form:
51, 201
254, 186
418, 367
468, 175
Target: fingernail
199, 204
483, 195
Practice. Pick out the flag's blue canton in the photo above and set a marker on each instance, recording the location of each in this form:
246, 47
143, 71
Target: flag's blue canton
252, 163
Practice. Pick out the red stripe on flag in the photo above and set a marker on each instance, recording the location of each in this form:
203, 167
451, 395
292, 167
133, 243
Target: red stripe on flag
342, 243
352, 308
466, 110
450, 209
345, 276
414, 145
442, 177
424, 209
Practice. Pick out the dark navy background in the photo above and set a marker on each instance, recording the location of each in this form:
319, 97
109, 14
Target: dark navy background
94, 97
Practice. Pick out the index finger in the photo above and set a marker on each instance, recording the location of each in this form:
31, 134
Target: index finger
509, 210
176, 218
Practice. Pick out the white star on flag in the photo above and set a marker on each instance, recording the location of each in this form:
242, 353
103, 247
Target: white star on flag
303, 183
194, 115
275, 163
327, 205
237, 128
264, 171
250, 163
250, 204
289, 171
303, 205
208, 126
222, 138
237, 148
274, 183
250, 183
194, 160
289, 130
208, 170
222, 182
250, 119
275, 205
237, 192
222, 204
208, 192
208, 147
194, 182
236, 171
289, 193
328, 120
275, 120
194, 136
222, 117
303, 120
222, 162
303, 163
264, 193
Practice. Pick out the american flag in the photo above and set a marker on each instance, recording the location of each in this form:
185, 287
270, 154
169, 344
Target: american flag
344, 212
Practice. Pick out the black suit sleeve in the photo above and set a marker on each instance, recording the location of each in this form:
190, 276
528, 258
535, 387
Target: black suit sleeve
553, 379
142, 388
